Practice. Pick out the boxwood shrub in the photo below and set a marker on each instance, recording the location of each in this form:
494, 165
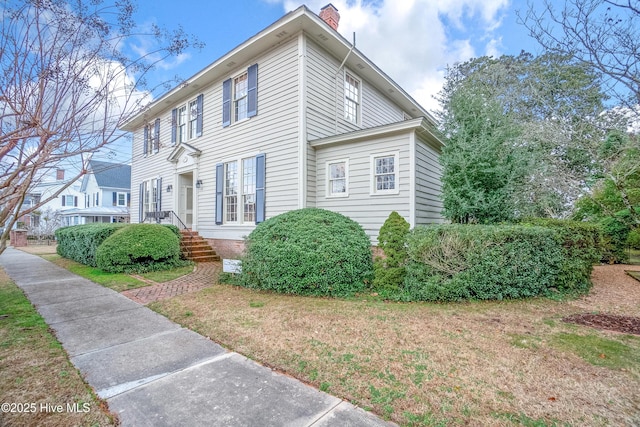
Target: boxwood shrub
80, 242
582, 246
455, 262
139, 248
308, 252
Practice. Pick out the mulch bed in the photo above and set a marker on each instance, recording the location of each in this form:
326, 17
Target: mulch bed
624, 324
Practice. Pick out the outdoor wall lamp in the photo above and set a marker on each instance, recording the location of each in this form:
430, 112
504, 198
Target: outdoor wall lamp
199, 183
169, 188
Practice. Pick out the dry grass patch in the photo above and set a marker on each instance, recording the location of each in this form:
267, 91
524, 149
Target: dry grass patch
36, 372
488, 363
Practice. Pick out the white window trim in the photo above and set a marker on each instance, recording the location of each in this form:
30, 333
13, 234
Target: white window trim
233, 99
240, 222
187, 123
118, 199
358, 101
151, 130
373, 191
328, 193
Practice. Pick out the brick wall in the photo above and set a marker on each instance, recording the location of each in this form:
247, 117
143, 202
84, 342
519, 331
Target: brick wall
228, 249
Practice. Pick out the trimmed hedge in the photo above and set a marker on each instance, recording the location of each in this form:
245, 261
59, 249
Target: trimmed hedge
582, 245
456, 262
139, 248
308, 252
80, 242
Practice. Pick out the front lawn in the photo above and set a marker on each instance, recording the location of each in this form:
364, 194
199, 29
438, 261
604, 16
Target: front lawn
484, 363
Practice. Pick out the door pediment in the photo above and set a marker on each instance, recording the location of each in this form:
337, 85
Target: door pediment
184, 155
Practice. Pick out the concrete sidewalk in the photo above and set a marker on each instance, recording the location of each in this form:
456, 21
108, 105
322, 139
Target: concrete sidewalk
152, 372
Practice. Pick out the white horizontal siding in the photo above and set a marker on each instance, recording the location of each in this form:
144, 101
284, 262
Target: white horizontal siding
369, 210
325, 98
428, 186
274, 131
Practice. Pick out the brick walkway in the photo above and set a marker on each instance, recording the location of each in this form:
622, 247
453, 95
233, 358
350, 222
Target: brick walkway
204, 275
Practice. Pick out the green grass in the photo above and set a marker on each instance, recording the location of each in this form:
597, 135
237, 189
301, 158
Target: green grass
168, 275
634, 256
116, 281
35, 369
610, 353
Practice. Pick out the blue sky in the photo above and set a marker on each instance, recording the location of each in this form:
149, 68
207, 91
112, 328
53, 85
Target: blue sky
411, 40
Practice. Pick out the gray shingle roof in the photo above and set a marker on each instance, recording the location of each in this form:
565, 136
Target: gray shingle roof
111, 175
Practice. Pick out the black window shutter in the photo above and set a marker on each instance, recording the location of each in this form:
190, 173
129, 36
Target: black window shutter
141, 203
115, 198
199, 118
128, 199
260, 187
226, 103
174, 125
156, 137
75, 201
63, 200
252, 92
146, 138
219, 191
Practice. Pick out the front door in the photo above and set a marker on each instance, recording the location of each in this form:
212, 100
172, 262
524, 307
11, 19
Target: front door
186, 205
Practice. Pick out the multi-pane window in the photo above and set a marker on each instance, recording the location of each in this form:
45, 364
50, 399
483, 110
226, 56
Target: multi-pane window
69, 200
182, 124
150, 195
385, 174
231, 191
351, 98
122, 199
337, 178
151, 134
193, 118
240, 91
240, 191
249, 189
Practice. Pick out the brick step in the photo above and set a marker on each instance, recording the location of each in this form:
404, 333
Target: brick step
196, 248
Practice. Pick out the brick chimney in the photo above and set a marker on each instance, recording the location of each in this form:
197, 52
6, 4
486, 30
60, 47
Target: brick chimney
330, 15
60, 174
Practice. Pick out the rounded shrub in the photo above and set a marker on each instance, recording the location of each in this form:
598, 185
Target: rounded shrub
308, 252
139, 248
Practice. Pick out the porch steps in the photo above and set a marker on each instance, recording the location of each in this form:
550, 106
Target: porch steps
195, 248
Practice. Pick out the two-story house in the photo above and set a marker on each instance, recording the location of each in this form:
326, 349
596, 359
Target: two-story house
69, 199
105, 195
294, 117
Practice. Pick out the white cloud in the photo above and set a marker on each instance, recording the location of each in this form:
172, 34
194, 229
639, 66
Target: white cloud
409, 40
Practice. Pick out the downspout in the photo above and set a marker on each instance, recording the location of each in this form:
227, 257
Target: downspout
353, 46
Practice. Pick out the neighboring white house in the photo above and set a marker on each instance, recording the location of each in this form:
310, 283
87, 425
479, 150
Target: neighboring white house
294, 117
103, 195
69, 199
106, 195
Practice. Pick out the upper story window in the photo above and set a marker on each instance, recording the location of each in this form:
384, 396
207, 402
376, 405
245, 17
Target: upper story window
151, 141
119, 199
186, 121
338, 178
240, 96
69, 200
182, 124
385, 170
351, 98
